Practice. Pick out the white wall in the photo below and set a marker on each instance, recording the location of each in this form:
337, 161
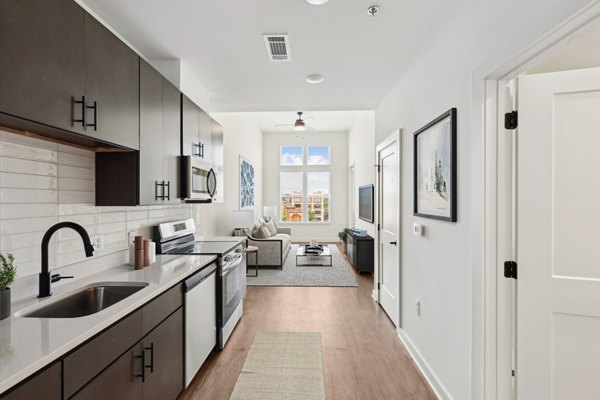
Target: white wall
361, 153
443, 268
338, 142
241, 137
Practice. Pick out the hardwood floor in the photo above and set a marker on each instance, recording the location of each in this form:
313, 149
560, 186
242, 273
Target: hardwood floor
363, 357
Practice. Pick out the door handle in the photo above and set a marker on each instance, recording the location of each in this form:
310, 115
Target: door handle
395, 243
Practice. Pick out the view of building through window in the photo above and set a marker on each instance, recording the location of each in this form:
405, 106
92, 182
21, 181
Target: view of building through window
305, 183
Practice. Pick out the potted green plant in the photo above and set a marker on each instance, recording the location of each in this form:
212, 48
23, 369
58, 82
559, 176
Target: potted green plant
8, 273
341, 235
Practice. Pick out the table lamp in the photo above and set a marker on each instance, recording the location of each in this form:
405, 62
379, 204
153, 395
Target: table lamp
241, 220
269, 212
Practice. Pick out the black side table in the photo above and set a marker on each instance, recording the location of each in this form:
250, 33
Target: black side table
250, 250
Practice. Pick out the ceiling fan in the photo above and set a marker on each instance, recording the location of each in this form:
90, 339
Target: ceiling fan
299, 124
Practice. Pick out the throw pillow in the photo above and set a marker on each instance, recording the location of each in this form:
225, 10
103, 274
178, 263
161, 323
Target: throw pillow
261, 233
271, 228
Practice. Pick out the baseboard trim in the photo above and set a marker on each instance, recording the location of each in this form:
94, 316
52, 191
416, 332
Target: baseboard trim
374, 295
427, 372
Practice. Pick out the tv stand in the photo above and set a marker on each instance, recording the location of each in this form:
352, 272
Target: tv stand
360, 251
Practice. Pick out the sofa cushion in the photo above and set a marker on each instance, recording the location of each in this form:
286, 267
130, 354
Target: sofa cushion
261, 233
285, 239
271, 227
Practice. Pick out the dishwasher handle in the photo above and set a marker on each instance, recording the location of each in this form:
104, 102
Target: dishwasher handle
199, 277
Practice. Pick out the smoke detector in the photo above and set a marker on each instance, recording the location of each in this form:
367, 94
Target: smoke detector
373, 10
278, 47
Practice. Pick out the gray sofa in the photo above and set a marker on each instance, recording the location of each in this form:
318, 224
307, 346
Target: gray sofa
273, 251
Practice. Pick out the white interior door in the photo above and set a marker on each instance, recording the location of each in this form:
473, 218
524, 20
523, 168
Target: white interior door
389, 244
558, 348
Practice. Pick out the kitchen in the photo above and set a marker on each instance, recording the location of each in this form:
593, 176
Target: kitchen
105, 127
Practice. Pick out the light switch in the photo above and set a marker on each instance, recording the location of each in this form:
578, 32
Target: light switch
418, 229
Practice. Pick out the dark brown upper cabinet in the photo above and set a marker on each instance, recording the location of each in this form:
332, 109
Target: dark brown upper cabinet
62, 72
111, 87
42, 62
190, 122
159, 138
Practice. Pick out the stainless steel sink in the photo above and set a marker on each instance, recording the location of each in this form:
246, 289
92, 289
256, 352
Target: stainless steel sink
87, 301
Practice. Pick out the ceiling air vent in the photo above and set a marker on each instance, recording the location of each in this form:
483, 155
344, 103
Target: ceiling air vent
278, 47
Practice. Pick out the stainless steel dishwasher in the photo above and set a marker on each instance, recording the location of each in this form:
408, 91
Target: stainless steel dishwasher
200, 319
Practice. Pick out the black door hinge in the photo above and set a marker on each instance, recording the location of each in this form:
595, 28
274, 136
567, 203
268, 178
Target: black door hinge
378, 286
510, 269
378, 227
511, 120
513, 372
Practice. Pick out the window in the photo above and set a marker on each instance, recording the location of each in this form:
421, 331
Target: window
305, 183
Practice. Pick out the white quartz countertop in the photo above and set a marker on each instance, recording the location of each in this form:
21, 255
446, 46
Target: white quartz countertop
29, 344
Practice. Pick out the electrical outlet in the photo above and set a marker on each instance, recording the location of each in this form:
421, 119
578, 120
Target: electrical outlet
132, 236
98, 242
418, 307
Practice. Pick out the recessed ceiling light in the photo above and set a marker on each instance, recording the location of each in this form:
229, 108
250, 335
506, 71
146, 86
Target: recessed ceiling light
317, 2
315, 78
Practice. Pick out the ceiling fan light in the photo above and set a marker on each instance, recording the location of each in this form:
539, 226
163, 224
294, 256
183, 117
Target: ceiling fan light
299, 125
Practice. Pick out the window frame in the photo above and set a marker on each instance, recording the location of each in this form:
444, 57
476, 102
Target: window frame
304, 169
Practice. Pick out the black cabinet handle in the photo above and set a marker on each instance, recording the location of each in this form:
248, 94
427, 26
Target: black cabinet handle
394, 243
82, 120
194, 146
151, 348
156, 195
168, 186
143, 358
95, 108
201, 150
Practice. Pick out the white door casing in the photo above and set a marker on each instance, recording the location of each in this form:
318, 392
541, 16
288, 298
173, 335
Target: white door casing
558, 328
388, 157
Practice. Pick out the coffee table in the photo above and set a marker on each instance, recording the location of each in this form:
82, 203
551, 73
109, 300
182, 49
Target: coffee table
304, 259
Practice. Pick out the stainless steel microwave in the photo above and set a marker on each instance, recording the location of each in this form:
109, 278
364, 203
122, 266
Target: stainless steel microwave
198, 180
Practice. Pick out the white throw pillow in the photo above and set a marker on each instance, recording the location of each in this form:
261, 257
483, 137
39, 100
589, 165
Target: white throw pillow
271, 228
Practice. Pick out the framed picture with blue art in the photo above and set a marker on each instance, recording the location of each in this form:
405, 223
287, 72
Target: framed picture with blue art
435, 168
246, 184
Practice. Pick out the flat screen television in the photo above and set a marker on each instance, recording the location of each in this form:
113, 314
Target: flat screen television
365, 203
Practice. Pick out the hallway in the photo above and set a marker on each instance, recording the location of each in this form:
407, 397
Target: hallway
362, 355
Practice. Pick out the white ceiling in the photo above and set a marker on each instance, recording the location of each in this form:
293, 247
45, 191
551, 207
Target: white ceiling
221, 42
316, 121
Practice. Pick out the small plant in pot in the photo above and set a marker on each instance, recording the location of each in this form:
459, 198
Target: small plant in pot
8, 273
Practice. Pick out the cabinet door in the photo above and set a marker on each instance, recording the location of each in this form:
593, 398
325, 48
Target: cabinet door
164, 355
118, 381
112, 80
151, 135
189, 126
43, 386
42, 61
171, 139
205, 135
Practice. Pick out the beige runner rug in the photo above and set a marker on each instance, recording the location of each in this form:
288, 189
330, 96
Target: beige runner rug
282, 366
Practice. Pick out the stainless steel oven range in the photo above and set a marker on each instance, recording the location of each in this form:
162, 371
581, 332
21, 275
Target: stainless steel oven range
178, 238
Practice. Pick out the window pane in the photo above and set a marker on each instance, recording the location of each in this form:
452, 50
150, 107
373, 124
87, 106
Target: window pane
318, 196
291, 155
318, 155
291, 196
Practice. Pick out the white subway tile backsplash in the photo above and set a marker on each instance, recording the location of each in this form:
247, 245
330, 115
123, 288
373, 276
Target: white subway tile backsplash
42, 183
16, 150
16, 165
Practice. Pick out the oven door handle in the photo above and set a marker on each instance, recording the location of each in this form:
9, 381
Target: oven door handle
228, 268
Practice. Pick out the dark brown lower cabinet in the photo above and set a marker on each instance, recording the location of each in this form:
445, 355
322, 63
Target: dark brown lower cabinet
119, 381
164, 353
46, 385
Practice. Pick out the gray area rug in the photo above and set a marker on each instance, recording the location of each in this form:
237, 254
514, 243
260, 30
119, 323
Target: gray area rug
339, 274
282, 366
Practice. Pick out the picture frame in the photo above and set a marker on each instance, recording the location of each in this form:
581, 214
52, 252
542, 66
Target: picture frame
434, 169
247, 183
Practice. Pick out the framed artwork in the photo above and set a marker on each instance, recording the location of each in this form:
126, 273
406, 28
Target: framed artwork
246, 184
435, 168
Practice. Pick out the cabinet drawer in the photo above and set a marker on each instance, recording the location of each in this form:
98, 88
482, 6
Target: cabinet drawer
43, 386
161, 307
90, 359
